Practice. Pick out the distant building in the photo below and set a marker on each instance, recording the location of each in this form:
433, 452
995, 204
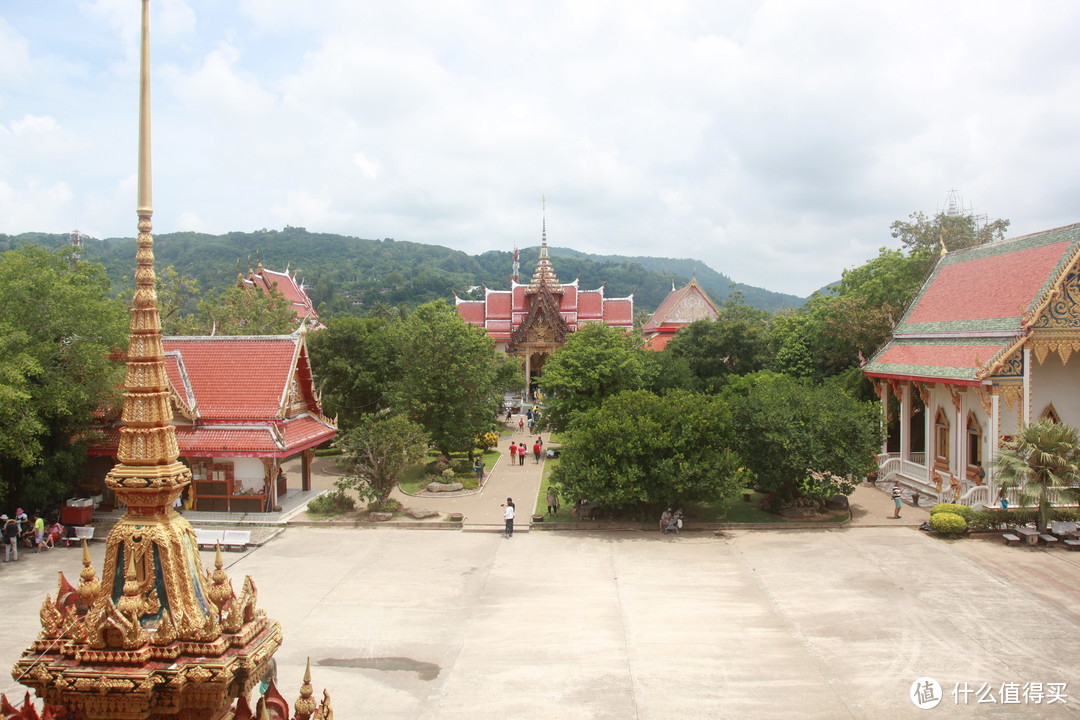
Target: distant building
990, 343
531, 321
288, 286
680, 308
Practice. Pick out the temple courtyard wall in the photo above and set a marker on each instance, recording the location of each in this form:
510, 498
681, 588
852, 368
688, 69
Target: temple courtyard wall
752, 624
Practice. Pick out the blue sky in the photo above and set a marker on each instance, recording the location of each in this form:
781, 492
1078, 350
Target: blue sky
775, 141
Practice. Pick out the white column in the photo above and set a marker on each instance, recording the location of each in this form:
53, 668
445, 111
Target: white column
995, 435
1027, 386
528, 375
905, 422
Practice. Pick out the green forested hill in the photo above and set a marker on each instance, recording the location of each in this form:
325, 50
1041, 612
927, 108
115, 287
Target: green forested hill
348, 275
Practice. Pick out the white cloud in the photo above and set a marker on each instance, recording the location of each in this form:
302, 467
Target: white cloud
773, 140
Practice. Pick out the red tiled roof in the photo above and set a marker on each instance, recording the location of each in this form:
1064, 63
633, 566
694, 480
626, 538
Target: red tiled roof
590, 304
471, 311
236, 378
659, 341
498, 304
306, 431
999, 286
940, 356
619, 312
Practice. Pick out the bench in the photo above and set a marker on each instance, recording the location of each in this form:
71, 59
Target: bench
1048, 539
236, 539
1010, 538
1072, 544
204, 537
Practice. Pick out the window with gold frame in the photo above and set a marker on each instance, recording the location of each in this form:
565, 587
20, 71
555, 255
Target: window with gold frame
941, 438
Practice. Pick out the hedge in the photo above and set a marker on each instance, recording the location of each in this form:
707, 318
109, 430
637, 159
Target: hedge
962, 510
948, 523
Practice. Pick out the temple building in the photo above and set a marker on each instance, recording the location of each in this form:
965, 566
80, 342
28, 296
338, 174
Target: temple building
242, 406
157, 635
532, 320
989, 344
681, 307
287, 284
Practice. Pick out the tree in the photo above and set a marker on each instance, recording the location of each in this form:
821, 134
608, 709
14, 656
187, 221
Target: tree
736, 343
1042, 455
378, 451
639, 452
450, 379
595, 363
789, 428
60, 340
356, 362
246, 311
955, 230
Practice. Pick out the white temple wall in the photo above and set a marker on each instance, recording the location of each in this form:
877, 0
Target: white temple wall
248, 473
1055, 382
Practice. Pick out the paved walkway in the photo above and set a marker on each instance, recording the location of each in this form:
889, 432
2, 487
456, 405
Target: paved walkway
483, 510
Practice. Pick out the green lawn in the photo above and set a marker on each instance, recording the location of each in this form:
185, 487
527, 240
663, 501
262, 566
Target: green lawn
415, 479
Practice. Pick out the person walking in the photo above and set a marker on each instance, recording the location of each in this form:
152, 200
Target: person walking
478, 466
11, 538
522, 452
897, 497
537, 447
552, 501
521, 425
513, 453
508, 517
39, 533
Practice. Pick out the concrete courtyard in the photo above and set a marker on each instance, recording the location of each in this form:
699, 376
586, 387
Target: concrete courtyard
754, 624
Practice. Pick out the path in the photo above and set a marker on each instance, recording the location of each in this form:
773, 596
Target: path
483, 510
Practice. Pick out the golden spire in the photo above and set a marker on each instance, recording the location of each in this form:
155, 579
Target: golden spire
151, 613
545, 274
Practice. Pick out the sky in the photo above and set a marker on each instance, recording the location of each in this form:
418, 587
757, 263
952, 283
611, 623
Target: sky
774, 141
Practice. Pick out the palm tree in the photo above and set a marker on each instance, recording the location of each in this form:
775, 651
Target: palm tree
1043, 454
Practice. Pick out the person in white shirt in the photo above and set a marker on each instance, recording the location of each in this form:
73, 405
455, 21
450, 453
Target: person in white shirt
508, 516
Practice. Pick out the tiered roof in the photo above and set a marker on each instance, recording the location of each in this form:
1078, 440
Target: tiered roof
977, 307
292, 289
240, 396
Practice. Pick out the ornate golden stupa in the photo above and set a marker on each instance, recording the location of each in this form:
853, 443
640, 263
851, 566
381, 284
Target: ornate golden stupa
158, 635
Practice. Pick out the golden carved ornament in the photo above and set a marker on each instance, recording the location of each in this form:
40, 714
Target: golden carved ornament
305, 704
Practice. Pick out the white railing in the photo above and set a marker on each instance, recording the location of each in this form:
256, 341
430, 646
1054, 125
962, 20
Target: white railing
919, 458
976, 497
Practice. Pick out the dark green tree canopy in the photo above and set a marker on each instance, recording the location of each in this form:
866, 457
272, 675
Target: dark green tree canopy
61, 339
788, 428
355, 361
595, 363
377, 452
639, 452
450, 380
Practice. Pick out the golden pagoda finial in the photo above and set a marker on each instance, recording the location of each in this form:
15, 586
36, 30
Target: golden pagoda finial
130, 603
305, 704
544, 276
89, 585
221, 591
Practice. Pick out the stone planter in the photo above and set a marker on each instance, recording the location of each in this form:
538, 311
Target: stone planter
538, 518
455, 517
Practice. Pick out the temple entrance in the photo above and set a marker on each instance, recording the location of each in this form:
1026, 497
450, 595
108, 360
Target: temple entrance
535, 368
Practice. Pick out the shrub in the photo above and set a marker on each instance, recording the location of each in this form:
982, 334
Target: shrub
988, 520
389, 505
962, 510
948, 523
461, 466
335, 502
436, 467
